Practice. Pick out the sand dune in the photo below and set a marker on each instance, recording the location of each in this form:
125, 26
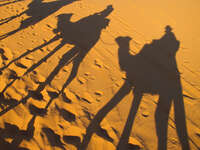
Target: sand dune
99, 75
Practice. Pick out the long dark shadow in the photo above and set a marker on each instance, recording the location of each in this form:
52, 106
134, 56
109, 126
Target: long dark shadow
59, 29
13, 132
124, 139
29, 52
6, 20
157, 60
95, 122
20, 135
44, 59
37, 10
39, 89
84, 34
66, 59
162, 115
33, 66
13, 105
153, 71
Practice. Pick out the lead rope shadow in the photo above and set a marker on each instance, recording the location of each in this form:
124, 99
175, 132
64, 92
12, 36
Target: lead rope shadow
154, 71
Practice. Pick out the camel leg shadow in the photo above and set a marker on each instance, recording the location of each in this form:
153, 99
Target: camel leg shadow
32, 67
76, 63
6, 20
180, 120
95, 123
65, 60
30, 51
10, 3
44, 59
124, 139
162, 117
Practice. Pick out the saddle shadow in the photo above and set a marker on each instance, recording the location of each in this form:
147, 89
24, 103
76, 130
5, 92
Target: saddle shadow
153, 71
37, 10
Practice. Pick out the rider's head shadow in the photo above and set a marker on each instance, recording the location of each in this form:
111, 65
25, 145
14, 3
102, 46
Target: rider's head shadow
151, 71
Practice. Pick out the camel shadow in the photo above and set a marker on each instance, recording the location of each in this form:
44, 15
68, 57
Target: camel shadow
154, 71
83, 34
37, 10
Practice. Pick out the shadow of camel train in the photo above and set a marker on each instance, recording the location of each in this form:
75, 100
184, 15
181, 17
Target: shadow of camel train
83, 34
153, 70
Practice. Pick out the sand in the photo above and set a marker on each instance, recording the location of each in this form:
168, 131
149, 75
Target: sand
99, 75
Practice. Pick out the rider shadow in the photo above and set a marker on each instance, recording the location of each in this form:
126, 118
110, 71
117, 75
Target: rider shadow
37, 10
83, 34
154, 71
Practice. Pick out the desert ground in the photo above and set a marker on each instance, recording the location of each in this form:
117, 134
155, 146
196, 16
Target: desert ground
99, 75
